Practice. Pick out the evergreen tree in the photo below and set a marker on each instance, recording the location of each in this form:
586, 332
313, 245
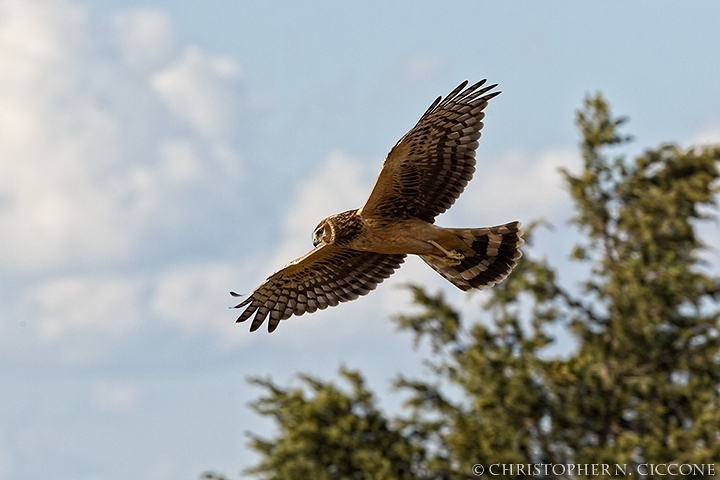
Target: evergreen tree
330, 434
641, 386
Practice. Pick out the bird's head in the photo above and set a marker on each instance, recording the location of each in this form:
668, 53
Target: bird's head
323, 233
337, 229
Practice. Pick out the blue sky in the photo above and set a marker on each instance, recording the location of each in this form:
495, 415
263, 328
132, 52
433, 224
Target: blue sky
156, 155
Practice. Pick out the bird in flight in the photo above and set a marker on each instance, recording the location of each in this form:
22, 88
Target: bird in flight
421, 177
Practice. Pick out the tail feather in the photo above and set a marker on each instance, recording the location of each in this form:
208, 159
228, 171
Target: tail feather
496, 252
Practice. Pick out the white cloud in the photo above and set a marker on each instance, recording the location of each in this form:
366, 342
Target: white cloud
198, 88
68, 305
144, 37
516, 186
709, 135
341, 183
115, 396
76, 319
107, 134
90, 317
421, 67
118, 142
195, 299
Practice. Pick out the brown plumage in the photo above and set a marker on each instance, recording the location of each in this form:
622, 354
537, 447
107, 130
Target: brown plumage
422, 176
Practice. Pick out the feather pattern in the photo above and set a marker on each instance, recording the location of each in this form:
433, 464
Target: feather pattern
326, 276
428, 169
497, 250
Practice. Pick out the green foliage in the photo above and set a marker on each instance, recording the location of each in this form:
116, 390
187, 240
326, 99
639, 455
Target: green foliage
330, 434
641, 386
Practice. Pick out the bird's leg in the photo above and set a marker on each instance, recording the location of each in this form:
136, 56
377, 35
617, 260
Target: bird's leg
451, 257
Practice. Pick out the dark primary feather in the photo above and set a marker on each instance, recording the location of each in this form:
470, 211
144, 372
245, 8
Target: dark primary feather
324, 277
430, 166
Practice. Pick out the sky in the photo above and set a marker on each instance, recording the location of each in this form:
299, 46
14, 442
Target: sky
155, 155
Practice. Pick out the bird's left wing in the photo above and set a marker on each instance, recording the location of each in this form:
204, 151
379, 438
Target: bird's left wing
427, 170
326, 276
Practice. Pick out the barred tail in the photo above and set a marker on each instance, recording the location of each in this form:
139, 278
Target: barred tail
496, 251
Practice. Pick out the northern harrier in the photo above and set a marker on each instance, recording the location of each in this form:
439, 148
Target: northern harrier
421, 177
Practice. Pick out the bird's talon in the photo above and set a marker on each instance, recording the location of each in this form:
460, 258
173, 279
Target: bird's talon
452, 254
451, 258
451, 262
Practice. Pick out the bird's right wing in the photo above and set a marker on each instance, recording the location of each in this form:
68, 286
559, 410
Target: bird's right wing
324, 277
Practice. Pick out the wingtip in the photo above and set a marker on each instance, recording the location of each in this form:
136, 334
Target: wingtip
476, 85
244, 302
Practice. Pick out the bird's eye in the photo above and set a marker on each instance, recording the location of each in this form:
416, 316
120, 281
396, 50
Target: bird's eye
317, 236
